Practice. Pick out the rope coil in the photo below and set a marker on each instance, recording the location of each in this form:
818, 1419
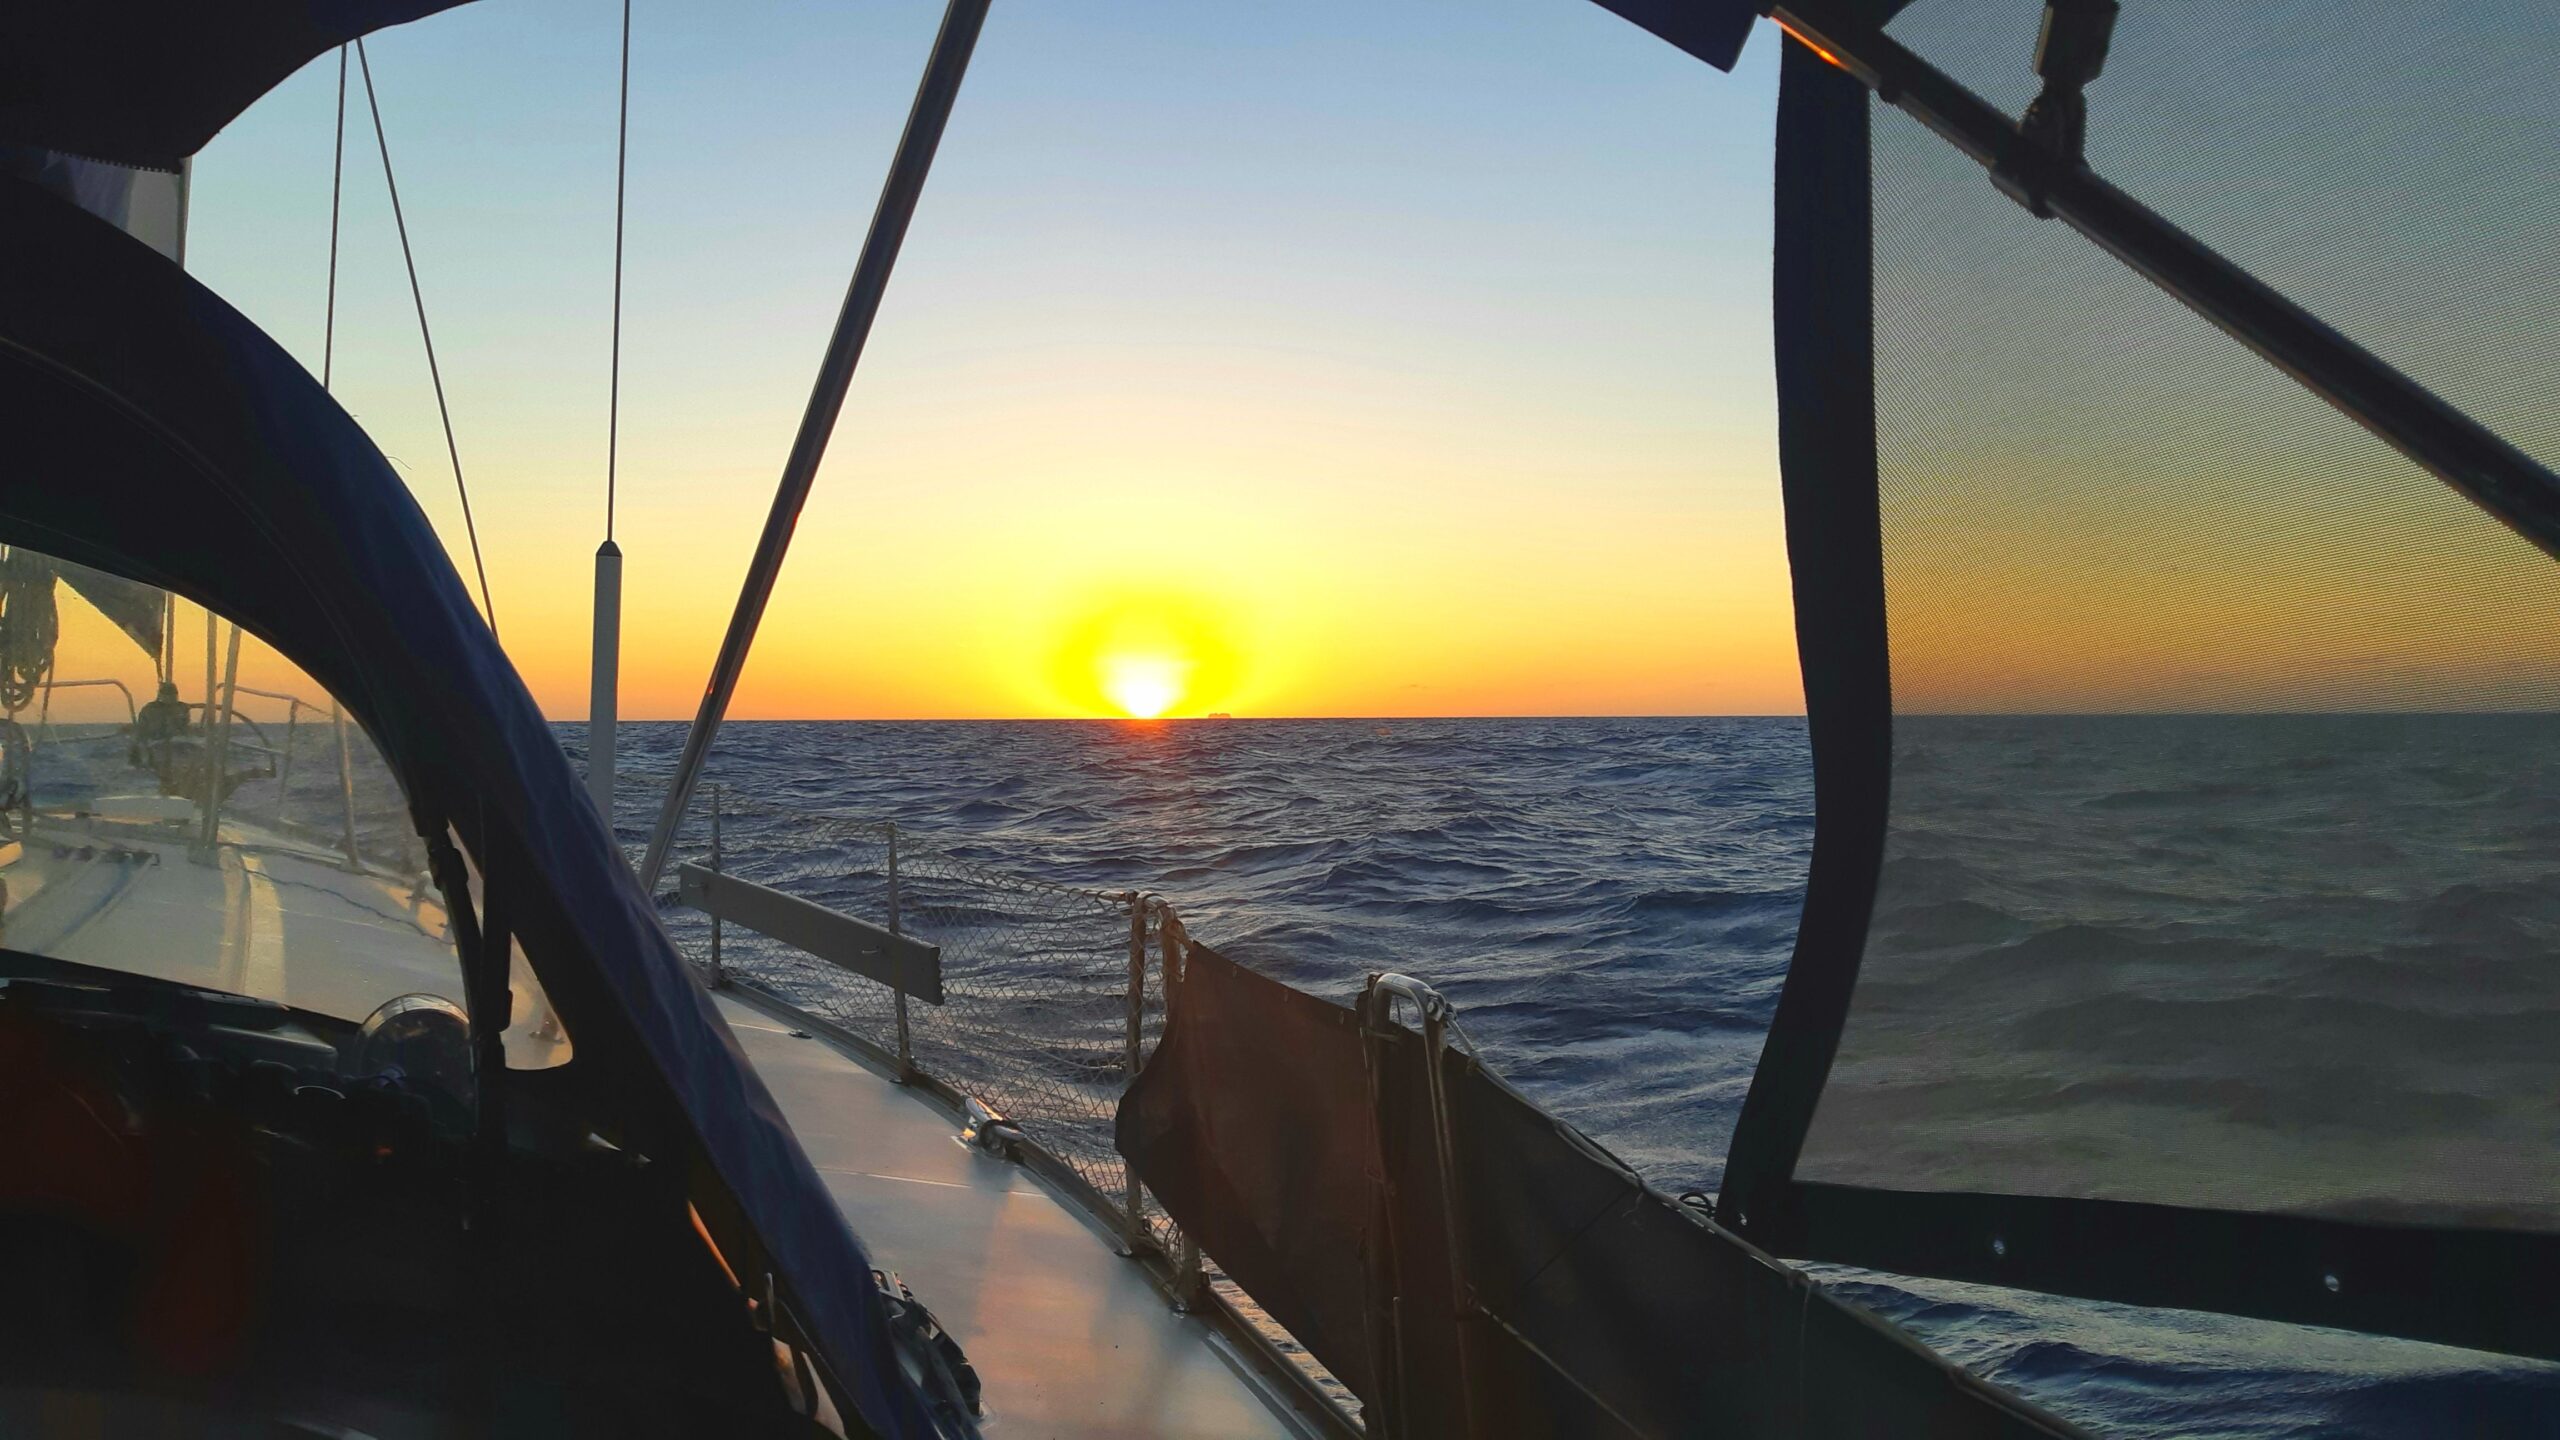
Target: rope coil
29, 626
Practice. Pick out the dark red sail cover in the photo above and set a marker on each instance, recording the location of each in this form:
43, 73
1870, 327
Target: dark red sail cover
1593, 1306
1273, 1173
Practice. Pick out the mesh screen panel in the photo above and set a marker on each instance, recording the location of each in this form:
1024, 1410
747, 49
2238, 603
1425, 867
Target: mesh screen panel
2221, 868
2386, 166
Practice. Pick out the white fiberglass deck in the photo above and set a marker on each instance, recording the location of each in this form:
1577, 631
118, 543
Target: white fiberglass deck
260, 914
257, 915
1070, 1339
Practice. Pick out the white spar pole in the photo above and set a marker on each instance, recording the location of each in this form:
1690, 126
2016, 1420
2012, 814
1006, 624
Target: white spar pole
604, 687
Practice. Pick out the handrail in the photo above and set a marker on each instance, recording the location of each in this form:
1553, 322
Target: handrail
294, 706
217, 749
224, 743
277, 695
346, 786
44, 711
258, 746
853, 945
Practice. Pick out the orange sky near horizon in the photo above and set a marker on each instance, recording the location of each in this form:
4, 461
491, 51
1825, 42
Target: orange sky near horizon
1256, 614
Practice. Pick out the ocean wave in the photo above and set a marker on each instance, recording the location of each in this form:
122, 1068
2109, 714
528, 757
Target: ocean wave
2508, 916
2259, 1029
1692, 903
1929, 878
978, 811
2193, 799
2320, 1091
1937, 924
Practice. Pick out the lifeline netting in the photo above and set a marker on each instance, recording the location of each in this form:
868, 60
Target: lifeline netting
1036, 976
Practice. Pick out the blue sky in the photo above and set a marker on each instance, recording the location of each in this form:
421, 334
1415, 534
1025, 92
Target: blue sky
1424, 343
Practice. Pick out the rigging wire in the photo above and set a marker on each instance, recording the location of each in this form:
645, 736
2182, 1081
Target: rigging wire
621, 174
418, 296
337, 186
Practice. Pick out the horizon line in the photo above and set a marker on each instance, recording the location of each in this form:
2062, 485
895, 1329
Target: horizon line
1216, 718
1210, 719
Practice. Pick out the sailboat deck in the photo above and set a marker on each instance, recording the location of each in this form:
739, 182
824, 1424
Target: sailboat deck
1070, 1339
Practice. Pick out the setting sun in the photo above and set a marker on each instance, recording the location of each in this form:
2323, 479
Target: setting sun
1140, 652
1143, 686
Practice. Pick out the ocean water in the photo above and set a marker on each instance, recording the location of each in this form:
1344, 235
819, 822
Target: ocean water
2293, 962
1611, 904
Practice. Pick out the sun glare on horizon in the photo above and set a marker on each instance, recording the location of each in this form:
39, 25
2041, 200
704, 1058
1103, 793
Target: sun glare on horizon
1142, 654
1144, 687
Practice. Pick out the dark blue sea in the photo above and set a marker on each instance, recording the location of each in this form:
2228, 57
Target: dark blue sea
1611, 904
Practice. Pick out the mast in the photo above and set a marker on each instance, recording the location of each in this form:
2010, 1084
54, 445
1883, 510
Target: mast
907, 169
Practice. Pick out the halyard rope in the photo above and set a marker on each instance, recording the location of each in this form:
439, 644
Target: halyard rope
337, 187
621, 176
427, 336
